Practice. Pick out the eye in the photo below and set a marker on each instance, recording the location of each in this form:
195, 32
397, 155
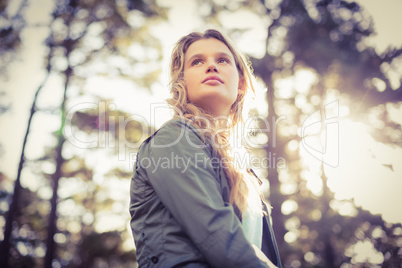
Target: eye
223, 60
196, 62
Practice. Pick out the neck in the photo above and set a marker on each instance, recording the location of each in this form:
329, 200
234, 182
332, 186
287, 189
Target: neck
221, 121
220, 117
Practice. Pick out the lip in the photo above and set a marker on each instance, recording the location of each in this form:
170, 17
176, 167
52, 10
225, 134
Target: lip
209, 78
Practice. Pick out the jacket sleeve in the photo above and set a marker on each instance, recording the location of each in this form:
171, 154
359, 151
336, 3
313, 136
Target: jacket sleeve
180, 169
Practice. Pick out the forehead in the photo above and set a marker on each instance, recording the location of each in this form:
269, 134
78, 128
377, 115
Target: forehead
207, 46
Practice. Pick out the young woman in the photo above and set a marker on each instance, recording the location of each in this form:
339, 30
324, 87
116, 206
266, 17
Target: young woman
191, 206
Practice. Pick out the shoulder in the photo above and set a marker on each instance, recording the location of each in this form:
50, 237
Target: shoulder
175, 143
174, 130
176, 127
177, 133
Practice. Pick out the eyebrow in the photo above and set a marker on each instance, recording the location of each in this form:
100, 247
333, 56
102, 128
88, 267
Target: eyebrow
220, 54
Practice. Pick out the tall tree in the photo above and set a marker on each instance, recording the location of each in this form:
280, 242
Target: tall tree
10, 40
81, 33
325, 40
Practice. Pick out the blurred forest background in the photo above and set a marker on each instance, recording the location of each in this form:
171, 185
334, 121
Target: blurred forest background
83, 84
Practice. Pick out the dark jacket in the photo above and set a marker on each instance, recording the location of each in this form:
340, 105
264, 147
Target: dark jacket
181, 215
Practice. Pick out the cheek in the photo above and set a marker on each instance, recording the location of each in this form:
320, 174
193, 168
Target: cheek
189, 87
191, 77
236, 81
235, 76
188, 77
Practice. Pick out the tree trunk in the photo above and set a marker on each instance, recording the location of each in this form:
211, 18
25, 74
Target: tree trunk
5, 245
52, 229
264, 69
274, 151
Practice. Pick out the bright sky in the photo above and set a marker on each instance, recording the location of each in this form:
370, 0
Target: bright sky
26, 74
387, 19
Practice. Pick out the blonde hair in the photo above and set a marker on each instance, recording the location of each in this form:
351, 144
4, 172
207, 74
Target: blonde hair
202, 120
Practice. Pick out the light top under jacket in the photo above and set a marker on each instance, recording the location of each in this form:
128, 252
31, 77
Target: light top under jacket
181, 215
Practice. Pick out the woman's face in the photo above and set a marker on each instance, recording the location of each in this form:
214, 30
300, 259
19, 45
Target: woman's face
211, 76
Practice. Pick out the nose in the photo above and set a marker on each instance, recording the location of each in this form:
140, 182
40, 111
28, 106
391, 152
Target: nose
212, 67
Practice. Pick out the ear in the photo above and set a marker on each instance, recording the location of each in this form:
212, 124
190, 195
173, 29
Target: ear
242, 84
